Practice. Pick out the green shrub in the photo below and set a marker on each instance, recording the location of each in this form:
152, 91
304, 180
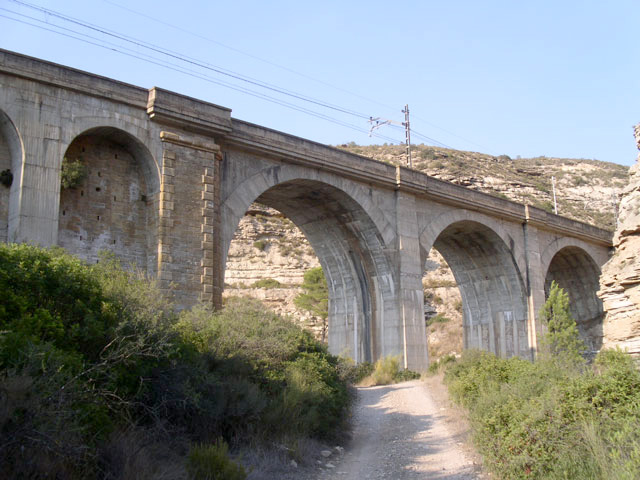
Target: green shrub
439, 318
387, 371
90, 350
441, 363
266, 283
212, 462
549, 419
562, 339
246, 341
315, 298
49, 296
72, 173
354, 373
260, 245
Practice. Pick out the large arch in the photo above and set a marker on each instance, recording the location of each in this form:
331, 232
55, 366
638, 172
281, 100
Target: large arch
115, 206
11, 160
494, 299
578, 274
349, 246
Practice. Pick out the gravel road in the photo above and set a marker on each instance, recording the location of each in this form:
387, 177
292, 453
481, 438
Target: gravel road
404, 431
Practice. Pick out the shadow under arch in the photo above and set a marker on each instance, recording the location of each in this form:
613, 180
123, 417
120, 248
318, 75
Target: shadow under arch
12, 159
352, 253
577, 273
494, 299
115, 206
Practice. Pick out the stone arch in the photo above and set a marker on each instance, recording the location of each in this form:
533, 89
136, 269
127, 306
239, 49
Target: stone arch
349, 246
574, 269
12, 159
434, 227
243, 194
115, 206
490, 283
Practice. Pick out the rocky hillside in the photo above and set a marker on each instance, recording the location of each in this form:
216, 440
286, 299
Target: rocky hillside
586, 190
269, 255
620, 280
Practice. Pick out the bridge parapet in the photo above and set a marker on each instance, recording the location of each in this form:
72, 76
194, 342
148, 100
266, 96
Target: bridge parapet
566, 226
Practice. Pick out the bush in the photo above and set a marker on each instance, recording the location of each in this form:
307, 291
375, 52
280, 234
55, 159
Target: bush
354, 373
441, 363
260, 245
72, 173
439, 318
86, 351
266, 283
247, 342
50, 297
212, 462
387, 371
551, 419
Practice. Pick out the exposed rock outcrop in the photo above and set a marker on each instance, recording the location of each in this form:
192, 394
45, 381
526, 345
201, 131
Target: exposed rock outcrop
620, 280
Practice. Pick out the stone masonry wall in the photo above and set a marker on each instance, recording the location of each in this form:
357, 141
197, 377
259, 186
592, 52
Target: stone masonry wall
188, 220
620, 280
110, 209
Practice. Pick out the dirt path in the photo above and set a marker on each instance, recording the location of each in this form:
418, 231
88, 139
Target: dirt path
405, 431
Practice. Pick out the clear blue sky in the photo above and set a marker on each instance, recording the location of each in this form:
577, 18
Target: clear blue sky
555, 78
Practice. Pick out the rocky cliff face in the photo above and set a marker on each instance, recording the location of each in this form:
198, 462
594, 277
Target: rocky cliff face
267, 260
620, 280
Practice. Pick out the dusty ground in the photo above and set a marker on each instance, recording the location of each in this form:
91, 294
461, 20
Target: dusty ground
405, 431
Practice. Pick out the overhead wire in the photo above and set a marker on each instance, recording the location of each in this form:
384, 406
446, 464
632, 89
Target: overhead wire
187, 59
290, 70
163, 63
220, 70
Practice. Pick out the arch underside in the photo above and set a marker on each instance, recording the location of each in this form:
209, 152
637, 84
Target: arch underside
113, 208
492, 290
578, 275
350, 250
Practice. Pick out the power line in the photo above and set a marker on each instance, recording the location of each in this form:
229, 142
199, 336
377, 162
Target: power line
183, 70
202, 64
187, 59
208, 39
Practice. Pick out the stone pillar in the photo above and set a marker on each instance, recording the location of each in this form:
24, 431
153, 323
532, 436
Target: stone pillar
409, 289
34, 205
165, 213
534, 282
211, 263
189, 220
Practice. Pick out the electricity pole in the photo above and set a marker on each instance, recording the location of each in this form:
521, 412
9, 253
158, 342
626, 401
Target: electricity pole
555, 204
407, 134
379, 122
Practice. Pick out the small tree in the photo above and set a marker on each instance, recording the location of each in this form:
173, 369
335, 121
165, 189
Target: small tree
315, 298
562, 338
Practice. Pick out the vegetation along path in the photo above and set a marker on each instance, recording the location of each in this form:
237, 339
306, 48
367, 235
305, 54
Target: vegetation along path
405, 431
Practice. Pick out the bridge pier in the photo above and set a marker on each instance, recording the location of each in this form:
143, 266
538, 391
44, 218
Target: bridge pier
410, 291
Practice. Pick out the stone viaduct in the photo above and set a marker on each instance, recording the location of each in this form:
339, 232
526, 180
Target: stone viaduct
169, 178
